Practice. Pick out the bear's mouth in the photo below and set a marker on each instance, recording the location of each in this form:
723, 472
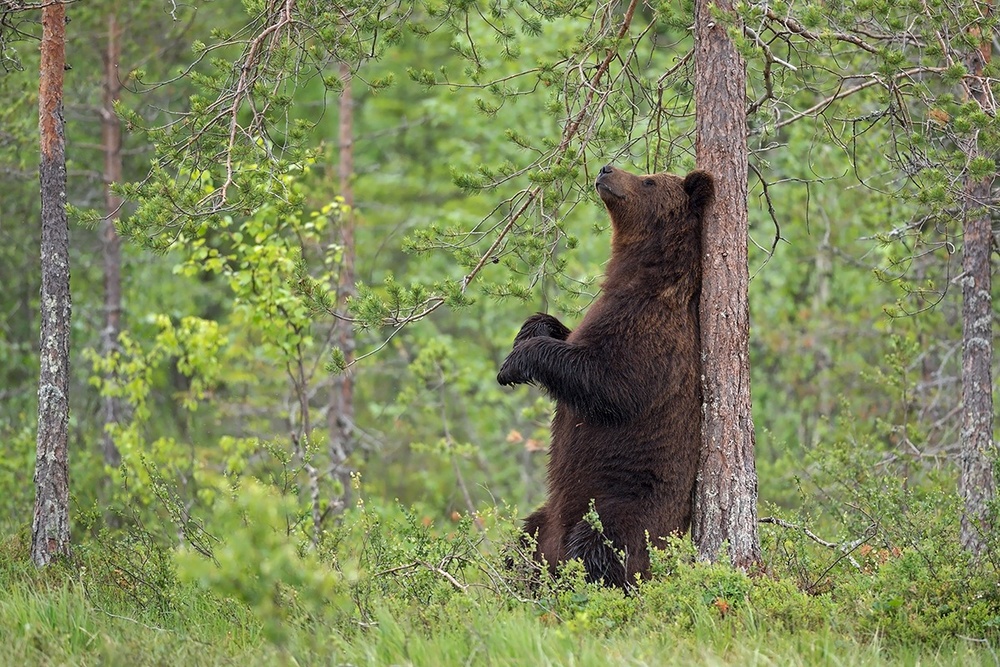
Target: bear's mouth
604, 188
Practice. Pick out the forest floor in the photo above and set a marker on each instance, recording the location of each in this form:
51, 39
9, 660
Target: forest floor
101, 610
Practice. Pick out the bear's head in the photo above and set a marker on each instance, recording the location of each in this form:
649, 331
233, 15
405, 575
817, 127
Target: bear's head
656, 207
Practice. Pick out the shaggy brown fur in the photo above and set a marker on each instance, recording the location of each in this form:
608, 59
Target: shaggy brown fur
627, 384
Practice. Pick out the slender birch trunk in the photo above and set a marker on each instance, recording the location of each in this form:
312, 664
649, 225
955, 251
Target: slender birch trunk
111, 132
340, 418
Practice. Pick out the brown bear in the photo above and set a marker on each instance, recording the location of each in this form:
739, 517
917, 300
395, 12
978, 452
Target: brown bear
627, 385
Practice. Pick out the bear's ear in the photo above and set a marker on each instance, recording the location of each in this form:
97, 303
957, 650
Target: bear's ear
700, 188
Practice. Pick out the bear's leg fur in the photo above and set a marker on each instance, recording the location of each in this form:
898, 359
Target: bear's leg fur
534, 527
548, 541
613, 554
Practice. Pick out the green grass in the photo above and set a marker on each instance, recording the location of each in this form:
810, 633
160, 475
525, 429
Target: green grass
386, 587
70, 615
61, 625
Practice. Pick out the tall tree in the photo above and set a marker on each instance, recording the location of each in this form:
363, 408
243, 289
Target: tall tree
725, 510
340, 418
111, 133
976, 484
50, 525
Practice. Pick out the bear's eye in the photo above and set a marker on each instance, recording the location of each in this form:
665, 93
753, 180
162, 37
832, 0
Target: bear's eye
649, 181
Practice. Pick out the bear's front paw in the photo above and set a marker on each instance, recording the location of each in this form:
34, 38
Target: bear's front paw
541, 324
513, 371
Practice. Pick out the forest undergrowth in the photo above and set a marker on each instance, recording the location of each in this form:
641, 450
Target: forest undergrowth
390, 585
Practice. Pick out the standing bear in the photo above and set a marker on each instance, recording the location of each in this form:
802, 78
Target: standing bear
627, 385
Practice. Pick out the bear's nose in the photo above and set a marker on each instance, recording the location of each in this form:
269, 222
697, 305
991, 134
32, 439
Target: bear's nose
607, 169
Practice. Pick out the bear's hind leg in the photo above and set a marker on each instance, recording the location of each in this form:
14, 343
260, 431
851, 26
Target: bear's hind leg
535, 523
601, 557
613, 554
537, 527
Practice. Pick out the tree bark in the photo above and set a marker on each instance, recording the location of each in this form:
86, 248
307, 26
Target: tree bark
111, 132
340, 417
725, 508
976, 483
50, 524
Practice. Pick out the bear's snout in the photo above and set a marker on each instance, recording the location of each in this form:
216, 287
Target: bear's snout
604, 183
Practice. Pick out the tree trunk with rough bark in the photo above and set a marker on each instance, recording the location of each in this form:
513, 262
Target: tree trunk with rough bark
976, 484
340, 418
111, 132
50, 523
725, 508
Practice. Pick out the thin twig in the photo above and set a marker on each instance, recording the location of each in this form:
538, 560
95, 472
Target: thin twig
797, 28
844, 548
842, 93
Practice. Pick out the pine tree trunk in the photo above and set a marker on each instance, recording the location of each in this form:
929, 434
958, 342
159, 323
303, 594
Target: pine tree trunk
725, 508
111, 243
50, 524
340, 417
976, 484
